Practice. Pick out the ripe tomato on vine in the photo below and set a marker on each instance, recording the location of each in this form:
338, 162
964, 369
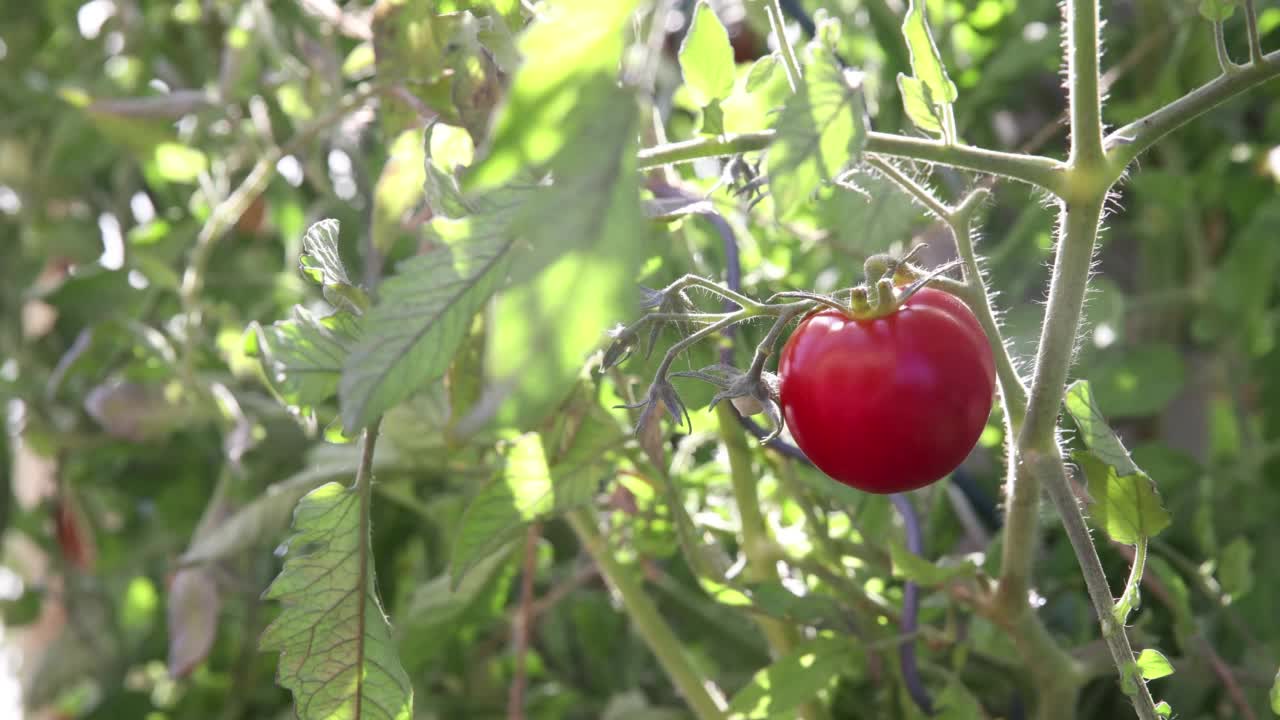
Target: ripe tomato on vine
890, 403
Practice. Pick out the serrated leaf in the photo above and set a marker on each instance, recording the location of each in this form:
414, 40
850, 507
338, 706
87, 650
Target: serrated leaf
909, 566
820, 132
578, 40
321, 261
423, 314
918, 103
777, 690
336, 650
926, 61
1217, 10
525, 491
1152, 664
1126, 504
706, 57
303, 357
1126, 507
1094, 430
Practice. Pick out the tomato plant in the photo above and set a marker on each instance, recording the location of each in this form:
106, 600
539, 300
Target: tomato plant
893, 403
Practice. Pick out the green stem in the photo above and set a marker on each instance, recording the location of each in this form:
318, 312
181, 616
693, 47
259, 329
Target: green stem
779, 26
1051, 472
1035, 170
1220, 46
655, 631
756, 543
1129, 596
1251, 26
1126, 143
1085, 102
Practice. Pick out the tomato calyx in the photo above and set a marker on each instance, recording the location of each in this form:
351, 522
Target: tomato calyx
752, 392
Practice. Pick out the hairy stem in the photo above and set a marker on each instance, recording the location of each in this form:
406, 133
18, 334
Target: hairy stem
1251, 26
1126, 143
655, 631
1032, 169
1085, 102
779, 26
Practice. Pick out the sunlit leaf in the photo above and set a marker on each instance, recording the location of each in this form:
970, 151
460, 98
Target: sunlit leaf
303, 357
706, 57
577, 40
399, 189
918, 103
1275, 694
335, 644
423, 314
525, 491
1152, 664
321, 260
926, 61
821, 131
778, 690
1125, 502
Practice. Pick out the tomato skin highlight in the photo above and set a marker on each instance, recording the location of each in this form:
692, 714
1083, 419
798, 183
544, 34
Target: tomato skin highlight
890, 404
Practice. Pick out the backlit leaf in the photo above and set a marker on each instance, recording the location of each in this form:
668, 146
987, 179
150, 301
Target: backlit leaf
303, 357
776, 691
706, 57
926, 61
918, 103
335, 644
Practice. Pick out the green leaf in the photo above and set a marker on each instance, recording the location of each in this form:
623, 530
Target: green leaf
918, 103
399, 189
1235, 568
581, 39
762, 72
1152, 664
303, 357
179, 163
910, 566
956, 702
1163, 709
926, 61
821, 131
589, 238
424, 312
447, 149
1217, 10
525, 491
336, 650
776, 691
1125, 502
1244, 281
706, 57
321, 261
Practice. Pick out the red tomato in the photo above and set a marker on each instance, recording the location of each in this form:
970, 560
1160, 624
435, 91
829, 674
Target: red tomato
889, 404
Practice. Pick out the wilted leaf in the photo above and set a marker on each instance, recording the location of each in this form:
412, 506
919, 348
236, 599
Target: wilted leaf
193, 606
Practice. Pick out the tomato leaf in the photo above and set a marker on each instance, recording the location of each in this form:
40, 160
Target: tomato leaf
1235, 564
328, 590
706, 57
918, 102
776, 691
424, 313
580, 40
302, 358
1275, 694
526, 490
820, 132
926, 61
909, 566
1126, 504
1217, 10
